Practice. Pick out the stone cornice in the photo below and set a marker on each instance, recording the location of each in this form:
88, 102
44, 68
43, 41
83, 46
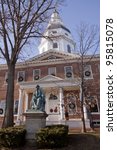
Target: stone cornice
50, 62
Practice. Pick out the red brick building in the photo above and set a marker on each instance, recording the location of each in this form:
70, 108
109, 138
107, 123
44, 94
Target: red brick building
57, 70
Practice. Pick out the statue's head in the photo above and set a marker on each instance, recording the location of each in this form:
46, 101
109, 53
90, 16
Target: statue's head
37, 86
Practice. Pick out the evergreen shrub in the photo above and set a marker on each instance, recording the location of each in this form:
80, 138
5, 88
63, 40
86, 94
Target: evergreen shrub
12, 137
54, 136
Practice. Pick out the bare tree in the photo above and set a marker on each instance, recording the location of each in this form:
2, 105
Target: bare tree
88, 44
20, 20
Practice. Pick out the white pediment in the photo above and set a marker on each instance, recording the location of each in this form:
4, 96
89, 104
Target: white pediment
53, 54
50, 78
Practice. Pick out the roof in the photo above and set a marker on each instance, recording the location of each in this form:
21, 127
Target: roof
51, 57
56, 26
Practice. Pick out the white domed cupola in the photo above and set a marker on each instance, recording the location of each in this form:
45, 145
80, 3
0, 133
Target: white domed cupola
60, 36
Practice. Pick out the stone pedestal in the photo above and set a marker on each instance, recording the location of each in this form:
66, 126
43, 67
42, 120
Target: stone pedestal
35, 120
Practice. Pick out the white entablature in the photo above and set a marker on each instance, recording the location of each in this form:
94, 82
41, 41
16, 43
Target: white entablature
60, 37
51, 81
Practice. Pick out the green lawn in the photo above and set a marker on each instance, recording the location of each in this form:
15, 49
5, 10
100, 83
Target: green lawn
87, 141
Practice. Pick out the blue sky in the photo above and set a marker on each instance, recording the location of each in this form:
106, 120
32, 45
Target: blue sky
73, 12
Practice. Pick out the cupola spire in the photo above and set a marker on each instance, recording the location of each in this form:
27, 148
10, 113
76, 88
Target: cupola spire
55, 18
61, 38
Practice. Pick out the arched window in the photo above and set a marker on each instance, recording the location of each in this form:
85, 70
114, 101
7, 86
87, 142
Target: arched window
55, 45
68, 49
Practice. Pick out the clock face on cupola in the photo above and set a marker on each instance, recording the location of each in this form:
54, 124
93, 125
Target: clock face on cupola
60, 38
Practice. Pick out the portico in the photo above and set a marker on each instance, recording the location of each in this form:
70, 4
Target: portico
58, 97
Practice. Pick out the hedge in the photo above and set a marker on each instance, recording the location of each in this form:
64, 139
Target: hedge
54, 136
12, 137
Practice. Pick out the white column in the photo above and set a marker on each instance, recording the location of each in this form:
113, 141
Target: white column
47, 105
19, 116
85, 112
61, 104
26, 101
84, 107
80, 93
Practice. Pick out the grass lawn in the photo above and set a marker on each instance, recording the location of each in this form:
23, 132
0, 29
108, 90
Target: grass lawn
87, 141
76, 141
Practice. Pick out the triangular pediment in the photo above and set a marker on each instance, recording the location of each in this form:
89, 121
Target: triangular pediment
50, 78
53, 55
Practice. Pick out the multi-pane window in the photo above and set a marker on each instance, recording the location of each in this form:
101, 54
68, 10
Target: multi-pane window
52, 71
21, 76
68, 49
68, 72
36, 74
92, 103
88, 72
3, 105
66, 34
55, 45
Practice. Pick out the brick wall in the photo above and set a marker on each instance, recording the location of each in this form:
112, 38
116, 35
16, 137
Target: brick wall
93, 85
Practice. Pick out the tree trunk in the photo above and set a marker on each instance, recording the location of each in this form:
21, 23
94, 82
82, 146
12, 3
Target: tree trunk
83, 119
82, 95
9, 114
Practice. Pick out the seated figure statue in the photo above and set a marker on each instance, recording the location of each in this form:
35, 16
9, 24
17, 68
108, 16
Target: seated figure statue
38, 100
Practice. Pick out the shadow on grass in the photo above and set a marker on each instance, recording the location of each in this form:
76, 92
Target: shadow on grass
78, 141
88, 141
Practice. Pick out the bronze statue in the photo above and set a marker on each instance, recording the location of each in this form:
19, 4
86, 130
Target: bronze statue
38, 100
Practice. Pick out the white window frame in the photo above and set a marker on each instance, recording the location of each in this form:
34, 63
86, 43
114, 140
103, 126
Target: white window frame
14, 107
37, 75
88, 68
2, 107
5, 106
18, 75
50, 71
69, 102
56, 45
69, 48
65, 70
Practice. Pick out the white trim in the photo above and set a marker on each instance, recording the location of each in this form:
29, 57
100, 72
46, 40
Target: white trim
23, 75
4, 103
34, 63
20, 106
26, 101
50, 81
88, 68
52, 69
70, 71
38, 74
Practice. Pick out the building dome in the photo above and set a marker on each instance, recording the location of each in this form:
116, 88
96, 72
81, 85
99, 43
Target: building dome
60, 37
